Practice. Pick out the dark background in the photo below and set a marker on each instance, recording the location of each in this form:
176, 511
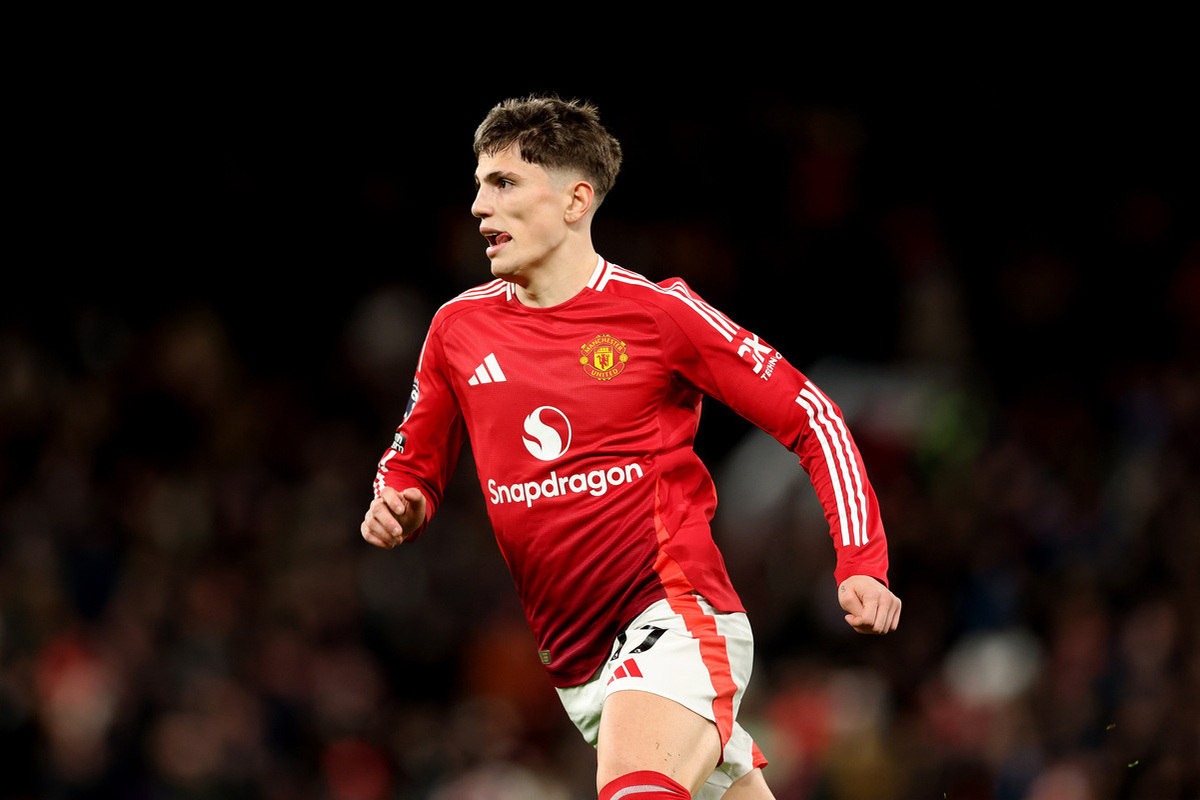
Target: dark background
222, 271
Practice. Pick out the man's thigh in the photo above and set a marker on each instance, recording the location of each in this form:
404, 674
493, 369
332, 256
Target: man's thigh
667, 699
644, 731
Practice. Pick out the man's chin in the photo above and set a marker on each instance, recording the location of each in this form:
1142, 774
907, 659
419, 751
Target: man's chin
503, 271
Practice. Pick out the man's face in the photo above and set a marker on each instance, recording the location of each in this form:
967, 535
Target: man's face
521, 208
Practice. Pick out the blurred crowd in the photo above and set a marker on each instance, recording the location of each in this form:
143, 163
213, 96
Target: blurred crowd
187, 609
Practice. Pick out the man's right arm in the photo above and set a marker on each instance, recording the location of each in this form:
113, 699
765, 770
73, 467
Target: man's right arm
414, 471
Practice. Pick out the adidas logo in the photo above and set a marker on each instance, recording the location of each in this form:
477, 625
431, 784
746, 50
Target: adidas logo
627, 670
488, 372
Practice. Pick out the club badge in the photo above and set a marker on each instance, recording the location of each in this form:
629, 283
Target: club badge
604, 357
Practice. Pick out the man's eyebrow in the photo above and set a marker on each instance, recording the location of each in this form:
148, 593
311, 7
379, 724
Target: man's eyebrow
494, 175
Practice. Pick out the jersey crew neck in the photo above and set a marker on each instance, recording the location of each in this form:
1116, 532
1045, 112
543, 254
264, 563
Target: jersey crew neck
514, 294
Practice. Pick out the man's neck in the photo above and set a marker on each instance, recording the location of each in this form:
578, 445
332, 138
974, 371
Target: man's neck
550, 288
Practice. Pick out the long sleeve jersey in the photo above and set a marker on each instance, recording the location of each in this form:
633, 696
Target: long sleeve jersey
582, 418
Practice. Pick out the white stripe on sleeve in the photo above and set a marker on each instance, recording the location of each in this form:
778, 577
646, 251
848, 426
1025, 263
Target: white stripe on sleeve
852, 462
814, 423
718, 321
844, 471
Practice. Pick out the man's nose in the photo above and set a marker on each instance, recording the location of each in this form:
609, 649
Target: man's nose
480, 208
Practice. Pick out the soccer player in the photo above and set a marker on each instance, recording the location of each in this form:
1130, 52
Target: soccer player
579, 383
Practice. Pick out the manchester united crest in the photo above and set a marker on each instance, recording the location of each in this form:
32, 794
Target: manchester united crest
604, 357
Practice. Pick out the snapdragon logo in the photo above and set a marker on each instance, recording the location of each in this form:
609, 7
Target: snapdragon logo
595, 482
547, 437
544, 436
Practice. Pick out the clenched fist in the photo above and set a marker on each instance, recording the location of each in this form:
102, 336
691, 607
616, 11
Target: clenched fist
393, 517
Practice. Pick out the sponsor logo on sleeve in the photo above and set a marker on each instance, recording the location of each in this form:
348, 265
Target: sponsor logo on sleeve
399, 440
413, 396
763, 357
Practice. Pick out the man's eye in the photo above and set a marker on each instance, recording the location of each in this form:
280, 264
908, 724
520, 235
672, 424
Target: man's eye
504, 182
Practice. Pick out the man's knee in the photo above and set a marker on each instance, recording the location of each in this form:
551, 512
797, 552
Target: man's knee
644, 785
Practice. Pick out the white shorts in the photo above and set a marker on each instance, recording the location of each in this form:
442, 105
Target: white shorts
684, 650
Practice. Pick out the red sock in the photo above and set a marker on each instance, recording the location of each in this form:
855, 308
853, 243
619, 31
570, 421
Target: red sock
644, 785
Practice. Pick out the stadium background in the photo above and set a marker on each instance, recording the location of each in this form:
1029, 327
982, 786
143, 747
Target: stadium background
214, 337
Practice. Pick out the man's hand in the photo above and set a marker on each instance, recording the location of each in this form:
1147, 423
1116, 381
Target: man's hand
393, 516
869, 605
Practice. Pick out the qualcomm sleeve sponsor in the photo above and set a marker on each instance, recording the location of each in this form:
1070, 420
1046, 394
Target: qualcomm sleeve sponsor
547, 437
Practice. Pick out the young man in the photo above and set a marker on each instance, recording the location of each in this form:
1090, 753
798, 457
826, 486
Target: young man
579, 383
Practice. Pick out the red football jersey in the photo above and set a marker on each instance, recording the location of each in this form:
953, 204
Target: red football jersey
582, 419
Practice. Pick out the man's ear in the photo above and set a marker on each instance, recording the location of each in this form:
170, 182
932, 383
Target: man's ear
579, 201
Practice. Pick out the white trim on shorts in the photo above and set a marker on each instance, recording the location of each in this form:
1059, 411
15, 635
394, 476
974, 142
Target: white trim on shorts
683, 649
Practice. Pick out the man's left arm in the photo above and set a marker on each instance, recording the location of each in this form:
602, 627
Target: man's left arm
736, 367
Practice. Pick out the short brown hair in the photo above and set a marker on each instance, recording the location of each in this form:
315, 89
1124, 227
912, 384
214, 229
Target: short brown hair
555, 134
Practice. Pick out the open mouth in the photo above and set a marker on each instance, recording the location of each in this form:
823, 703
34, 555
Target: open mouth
496, 241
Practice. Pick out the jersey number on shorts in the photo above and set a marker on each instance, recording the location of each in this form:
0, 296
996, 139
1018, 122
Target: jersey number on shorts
652, 637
